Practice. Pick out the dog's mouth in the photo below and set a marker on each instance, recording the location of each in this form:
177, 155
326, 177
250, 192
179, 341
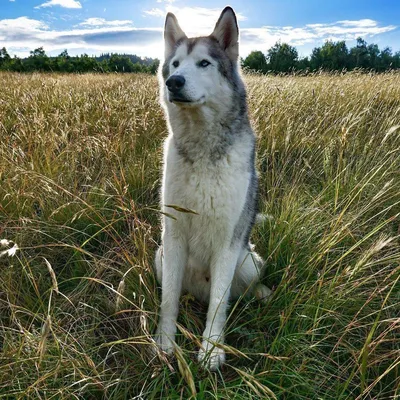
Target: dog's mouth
182, 101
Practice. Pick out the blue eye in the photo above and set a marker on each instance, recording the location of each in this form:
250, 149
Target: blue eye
204, 63
175, 64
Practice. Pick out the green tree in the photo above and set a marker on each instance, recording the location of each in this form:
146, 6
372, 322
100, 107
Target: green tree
373, 55
154, 66
303, 63
16, 65
255, 61
84, 63
64, 54
396, 60
118, 63
37, 61
359, 55
386, 58
331, 56
282, 57
63, 62
4, 58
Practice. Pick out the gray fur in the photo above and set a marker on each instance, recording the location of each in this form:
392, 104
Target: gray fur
218, 149
232, 123
165, 67
248, 215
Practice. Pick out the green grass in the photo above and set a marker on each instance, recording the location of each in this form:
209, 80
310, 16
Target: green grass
80, 160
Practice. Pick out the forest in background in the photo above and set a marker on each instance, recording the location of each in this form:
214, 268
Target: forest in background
39, 61
331, 56
280, 58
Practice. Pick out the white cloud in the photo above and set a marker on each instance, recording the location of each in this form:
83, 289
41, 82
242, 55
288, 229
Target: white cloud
193, 20
155, 12
199, 21
97, 35
94, 36
103, 22
61, 3
265, 37
20, 25
360, 23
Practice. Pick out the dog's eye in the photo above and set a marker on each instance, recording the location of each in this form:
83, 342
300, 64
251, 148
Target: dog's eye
204, 63
175, 64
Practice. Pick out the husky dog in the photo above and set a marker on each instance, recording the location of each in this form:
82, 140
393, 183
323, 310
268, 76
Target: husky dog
208, 168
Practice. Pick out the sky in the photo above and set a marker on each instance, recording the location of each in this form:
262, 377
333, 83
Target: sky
135, 26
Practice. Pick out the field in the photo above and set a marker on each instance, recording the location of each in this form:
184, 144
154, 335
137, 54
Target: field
80, 160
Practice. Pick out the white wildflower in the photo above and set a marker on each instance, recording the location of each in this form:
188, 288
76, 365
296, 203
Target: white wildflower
4, 243
9, 252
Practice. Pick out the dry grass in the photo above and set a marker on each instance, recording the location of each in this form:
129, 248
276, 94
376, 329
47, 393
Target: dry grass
79, 178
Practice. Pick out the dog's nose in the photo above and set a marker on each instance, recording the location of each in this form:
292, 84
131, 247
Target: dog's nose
175, 83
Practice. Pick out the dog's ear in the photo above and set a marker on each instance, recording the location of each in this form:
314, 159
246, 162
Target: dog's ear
226, 31
172, 33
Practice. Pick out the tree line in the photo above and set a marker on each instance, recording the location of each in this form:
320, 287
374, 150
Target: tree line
282, 57
38, 60
332, 56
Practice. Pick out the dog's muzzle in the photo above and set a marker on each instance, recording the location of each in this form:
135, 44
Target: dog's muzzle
175, 83
176, 94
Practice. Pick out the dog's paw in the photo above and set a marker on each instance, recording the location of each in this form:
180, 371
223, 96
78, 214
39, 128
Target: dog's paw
164, 342
211, 357
262, 293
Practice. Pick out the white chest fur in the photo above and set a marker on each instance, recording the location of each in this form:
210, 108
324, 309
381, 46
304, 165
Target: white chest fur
216, 191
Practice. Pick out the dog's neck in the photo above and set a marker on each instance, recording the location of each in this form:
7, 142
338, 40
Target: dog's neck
206, 132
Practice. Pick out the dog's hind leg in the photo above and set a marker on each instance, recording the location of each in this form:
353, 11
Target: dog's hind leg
247, 277
262, 292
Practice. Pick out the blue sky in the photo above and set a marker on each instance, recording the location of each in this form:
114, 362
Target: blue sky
135, 26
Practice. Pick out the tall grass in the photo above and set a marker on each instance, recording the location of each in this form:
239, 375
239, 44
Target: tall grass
80, 160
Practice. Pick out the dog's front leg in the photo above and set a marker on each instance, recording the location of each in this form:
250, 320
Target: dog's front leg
222, 271
173, 265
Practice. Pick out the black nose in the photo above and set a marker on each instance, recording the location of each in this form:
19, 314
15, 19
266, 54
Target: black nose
175, 83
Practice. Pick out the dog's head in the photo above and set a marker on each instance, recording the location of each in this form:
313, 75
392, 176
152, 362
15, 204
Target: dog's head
200, 70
